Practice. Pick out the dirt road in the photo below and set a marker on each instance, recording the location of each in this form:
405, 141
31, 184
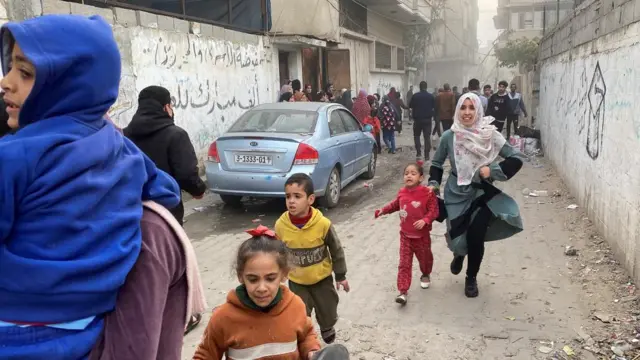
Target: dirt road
535, 302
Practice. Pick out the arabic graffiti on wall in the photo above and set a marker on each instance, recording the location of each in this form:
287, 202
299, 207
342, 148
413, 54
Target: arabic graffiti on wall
212, 82
381, 83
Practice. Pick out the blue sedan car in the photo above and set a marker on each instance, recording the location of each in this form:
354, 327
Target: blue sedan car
271, 142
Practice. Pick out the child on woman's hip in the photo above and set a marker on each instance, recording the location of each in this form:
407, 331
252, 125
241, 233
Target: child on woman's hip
418, 208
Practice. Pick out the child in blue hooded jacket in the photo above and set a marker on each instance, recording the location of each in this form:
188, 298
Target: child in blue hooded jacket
71, 188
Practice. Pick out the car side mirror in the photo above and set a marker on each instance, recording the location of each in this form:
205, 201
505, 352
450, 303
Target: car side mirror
367, 128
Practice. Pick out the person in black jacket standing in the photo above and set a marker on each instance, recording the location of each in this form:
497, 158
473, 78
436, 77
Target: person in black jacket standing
422, 109
499, 106
167, 145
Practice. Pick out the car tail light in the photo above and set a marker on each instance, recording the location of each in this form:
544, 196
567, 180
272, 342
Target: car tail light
213, 153
306, 155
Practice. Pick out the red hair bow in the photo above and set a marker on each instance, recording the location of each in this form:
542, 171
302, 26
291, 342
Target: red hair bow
262, 230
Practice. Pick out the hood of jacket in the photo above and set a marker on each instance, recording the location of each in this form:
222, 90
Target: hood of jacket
149, 119
316, 216
77, 66
72, 188
287, 298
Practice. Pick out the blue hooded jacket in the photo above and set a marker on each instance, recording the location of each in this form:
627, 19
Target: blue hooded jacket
71, 185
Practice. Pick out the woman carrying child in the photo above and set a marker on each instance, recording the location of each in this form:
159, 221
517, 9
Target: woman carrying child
72, 189
262, 318
476, 210
418, 207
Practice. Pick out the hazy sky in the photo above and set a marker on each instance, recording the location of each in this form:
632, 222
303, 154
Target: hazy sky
486, 31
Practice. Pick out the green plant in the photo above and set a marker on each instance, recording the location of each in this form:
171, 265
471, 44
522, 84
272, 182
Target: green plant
518, 53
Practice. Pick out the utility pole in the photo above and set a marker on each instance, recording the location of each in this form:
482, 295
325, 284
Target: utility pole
557, 12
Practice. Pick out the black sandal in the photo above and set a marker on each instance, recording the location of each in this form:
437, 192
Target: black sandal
193, 323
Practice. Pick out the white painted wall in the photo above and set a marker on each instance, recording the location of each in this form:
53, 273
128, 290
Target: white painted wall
381, 83
316, 18
4, 17
214, 74
212, 81
384, 29
591, 132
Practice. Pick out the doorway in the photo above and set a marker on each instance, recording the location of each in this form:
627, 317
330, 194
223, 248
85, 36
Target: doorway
283, 66
338, 68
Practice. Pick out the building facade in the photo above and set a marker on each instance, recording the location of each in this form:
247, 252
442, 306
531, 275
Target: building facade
530, 18
350, 44
453, 47
219, 58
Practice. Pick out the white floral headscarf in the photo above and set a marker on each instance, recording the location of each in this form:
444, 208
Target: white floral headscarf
475, 146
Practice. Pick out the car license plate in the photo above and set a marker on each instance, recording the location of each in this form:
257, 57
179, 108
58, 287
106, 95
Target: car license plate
253, 159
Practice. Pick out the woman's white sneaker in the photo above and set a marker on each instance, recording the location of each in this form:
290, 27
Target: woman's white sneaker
425, 282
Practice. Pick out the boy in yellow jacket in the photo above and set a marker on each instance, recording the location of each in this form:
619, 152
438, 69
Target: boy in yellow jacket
316, 253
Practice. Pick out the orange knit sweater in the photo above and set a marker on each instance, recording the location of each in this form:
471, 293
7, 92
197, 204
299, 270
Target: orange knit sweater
283, 333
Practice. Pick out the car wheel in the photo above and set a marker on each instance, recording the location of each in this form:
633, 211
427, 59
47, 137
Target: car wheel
232, 200
371, 170
332, 192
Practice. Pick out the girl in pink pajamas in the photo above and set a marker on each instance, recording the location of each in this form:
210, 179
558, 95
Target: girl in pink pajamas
418, 208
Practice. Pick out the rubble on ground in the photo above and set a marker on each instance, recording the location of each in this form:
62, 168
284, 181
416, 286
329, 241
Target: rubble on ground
614, 329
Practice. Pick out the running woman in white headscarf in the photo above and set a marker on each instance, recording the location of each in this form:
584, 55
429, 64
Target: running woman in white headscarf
472, 203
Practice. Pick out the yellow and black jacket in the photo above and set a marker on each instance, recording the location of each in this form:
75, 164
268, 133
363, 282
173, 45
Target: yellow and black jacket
315, 249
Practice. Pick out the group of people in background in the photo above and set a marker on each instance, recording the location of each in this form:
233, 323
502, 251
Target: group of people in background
430, 114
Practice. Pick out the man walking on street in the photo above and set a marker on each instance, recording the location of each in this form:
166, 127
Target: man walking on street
487, 91
474, 87
517, 108
456, 93
499, 106
422, 107
445, 108
408, 101
167, 145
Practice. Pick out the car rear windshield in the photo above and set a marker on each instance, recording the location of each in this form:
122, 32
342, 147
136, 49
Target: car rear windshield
271, 120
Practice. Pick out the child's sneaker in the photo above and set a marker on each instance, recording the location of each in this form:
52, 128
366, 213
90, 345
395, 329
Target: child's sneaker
329, 336
402, 299
425, 281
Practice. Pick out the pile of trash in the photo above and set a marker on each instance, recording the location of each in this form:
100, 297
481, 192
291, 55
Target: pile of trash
527, 140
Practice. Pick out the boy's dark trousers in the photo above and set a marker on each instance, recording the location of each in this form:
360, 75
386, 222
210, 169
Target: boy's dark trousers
321, 296
512, 119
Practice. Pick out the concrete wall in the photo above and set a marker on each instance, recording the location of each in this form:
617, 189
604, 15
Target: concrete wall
213, 74
4, 17
315, 18
360, 60
381, 82
588, 117
385, 30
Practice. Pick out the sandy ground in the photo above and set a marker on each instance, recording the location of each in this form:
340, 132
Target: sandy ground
535, 301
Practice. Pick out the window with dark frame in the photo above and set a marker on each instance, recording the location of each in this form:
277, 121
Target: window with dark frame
245, 15
400, 58
383, 55
353, 16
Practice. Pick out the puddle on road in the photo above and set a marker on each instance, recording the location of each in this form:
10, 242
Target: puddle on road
218, 218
